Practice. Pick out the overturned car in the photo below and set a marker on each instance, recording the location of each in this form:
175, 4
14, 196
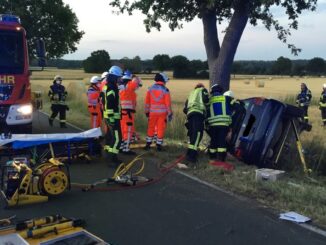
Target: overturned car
264, 130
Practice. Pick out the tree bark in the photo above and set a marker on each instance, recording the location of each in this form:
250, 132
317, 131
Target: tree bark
222, 65
220, 58
211, 41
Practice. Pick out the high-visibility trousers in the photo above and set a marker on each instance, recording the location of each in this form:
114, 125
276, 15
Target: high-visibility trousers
195, 128
127, 124
218, 145
58, 109
95, 115
113, 138
156, 124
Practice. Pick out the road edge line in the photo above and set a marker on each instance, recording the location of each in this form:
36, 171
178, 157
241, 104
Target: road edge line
244, 198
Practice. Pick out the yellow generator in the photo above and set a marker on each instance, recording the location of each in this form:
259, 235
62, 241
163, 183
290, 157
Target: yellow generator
22, 184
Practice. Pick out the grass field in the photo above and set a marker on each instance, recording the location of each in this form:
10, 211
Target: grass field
295, 192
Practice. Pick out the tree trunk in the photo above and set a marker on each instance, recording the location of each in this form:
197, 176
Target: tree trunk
220, 59
211, 41
223, 64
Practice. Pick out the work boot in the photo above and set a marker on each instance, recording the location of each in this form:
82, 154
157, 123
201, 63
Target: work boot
147, 147
113, 160
222, 156
212, 156
63, 125
159, 148
128, 152
51, 122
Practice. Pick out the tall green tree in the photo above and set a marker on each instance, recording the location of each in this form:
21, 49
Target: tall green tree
162, 62
316, 66
237, 13
51, 20
282, 66
181, 67
98, 62
134, 65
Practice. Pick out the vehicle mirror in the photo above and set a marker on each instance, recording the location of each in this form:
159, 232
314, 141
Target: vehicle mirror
40, 51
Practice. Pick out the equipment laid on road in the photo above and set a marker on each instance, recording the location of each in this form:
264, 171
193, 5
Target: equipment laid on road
125, 174
47, 230
268, 130
21, 184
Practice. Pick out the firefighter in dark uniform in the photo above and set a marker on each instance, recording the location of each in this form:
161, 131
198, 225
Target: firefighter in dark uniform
195, 109
218, 120
112, 115
322, 104
303, 100
58, 94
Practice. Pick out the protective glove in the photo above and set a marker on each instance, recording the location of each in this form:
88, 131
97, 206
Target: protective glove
67, 108
147, 114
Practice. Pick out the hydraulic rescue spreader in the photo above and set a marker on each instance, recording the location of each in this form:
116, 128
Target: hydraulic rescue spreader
22, 184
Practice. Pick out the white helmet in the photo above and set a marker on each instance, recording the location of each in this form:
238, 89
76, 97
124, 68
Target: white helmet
58, 77
165, 77
104, 74
324, 85
229, 93
95, 79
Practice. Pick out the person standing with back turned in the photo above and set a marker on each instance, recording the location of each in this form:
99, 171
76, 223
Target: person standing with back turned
157, 110
112, 115
195, 109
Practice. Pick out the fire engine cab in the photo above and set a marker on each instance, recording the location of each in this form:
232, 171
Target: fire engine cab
16, 109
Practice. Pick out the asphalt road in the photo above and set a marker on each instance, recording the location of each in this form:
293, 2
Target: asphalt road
176, 210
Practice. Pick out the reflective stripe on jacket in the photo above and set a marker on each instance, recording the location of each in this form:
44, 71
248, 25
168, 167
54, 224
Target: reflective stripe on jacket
304, 98
57, 94
219, 113
128, 96
111, 102
158, 99
322, 101
197, 101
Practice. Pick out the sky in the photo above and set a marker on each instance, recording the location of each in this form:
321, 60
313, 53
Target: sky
125, 36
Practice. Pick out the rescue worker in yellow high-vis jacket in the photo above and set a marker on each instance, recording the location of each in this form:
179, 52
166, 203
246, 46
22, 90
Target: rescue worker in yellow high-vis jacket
322, 104
195, 109
218, 120
112, 115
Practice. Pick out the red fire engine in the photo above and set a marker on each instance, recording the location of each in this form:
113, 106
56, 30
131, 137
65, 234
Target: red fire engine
16, 111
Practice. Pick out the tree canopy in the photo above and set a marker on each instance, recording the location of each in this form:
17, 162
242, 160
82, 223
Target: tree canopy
98, 62
237, 13
53, 21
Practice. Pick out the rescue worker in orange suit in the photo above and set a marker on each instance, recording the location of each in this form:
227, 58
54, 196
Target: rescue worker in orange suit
322, 104
94, 106
137, 83
218, 119
303, 100
195, 109
157, 110
128, 109
58, 94
112, 115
